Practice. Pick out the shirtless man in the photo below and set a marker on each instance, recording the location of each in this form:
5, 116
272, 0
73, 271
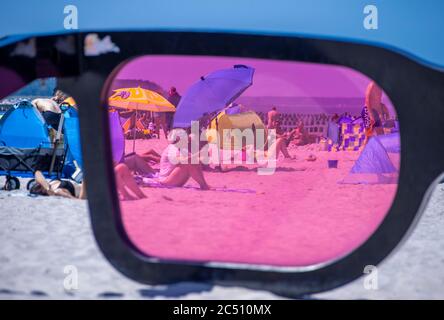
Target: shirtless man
50, 111
273, 117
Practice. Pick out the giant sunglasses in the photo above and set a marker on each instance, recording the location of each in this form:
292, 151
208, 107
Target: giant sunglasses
223, 236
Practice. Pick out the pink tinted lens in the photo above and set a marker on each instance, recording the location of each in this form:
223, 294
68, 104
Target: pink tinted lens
301, 160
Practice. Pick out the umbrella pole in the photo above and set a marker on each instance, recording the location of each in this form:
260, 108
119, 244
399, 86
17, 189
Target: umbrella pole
134, 135
219, 166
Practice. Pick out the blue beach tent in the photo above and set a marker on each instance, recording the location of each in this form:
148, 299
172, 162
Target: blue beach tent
22, 126
374, 165
391, 142
26, 144
73, 159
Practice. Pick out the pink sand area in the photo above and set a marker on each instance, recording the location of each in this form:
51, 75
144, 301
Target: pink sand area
298, 216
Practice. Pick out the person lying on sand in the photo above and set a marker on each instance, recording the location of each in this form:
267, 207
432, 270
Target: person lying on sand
175, 169
49, 110
125, 182
63, 188
261, 156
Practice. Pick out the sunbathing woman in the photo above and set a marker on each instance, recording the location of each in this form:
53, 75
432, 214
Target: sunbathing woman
63, 188
70, 189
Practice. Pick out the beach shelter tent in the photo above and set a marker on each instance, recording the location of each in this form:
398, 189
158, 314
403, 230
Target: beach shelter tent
234, 108
223, 123
22, 126
374, 165
391, 142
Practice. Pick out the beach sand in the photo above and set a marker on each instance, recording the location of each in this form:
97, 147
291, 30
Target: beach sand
41, 236
298, 216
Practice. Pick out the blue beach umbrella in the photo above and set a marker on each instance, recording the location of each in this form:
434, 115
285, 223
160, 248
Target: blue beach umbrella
212, 93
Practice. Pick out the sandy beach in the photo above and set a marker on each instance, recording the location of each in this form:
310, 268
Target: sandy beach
297, 216
41, 236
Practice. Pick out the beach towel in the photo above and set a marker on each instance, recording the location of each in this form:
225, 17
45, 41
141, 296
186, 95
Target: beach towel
155, 183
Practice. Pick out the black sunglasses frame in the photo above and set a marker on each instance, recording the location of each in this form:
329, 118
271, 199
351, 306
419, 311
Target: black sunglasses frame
415, 90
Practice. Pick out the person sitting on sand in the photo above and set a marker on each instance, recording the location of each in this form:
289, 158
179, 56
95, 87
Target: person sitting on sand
279, 146
125, 182
271, 153
63, 188
150, 156
291, 135
176, 169
139, 163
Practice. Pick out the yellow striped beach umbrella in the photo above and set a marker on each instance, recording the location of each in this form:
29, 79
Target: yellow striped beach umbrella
140, 99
